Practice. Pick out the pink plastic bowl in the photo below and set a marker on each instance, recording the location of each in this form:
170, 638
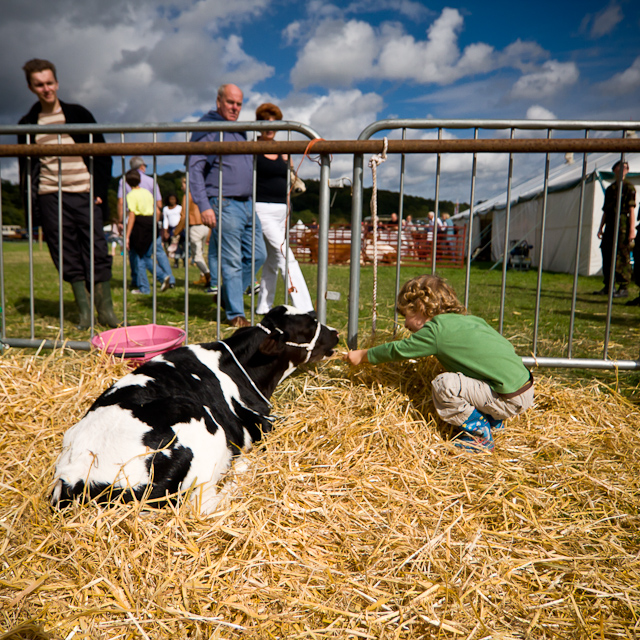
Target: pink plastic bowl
139, 343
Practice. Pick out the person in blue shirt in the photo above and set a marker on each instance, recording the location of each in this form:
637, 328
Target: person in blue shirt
236, 211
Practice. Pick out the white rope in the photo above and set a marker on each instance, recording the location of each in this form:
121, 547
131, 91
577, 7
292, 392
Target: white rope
253, 384
309, 346
373, 163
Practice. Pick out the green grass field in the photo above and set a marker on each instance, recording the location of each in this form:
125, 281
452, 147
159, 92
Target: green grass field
485, 290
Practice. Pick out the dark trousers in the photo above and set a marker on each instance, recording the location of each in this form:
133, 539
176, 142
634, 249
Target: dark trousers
76, 239
623, 260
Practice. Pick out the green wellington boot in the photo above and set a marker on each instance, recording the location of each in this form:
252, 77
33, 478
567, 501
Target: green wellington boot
104, 304
82, 302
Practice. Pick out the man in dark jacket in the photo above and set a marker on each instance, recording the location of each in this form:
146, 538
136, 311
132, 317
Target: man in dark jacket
236, 211
75, 177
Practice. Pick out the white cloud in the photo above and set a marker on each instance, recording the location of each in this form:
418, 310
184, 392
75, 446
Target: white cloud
430, 60
338, 53
604, 22
320, 10
455, 170
157, 62
625, 81
212, 15
9, 169
553, 77
413, 10
340, 115
536, 112
523, 55
292, 32
455, 100
241, 68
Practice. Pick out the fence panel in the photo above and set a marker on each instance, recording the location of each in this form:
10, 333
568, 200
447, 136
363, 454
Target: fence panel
522, 138
154, 149
332, 244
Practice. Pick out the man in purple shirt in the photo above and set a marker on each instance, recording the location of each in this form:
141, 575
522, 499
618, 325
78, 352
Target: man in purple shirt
235, 215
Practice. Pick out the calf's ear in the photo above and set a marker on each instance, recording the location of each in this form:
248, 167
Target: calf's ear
273, 345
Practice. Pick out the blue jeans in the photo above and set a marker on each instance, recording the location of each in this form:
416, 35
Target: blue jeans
141, 263
163, 262
236, 221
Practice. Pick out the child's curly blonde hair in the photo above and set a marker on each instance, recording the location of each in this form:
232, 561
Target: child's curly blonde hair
428, 296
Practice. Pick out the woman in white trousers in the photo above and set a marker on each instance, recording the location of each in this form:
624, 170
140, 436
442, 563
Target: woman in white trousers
271, 208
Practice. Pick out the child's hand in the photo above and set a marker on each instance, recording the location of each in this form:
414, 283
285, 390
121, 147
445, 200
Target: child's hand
356, 357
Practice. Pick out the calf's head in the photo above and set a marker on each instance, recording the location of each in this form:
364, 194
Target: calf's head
297, 334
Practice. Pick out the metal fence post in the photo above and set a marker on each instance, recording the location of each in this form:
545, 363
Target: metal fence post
356, 248
323, 238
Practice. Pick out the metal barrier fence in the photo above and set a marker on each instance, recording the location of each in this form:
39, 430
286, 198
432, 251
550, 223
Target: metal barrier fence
511, 146
438, 146
32, 149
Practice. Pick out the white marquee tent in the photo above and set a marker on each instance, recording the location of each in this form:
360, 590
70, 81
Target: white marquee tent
563, 202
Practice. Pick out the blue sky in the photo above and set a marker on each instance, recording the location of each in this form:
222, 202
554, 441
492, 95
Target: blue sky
335, 66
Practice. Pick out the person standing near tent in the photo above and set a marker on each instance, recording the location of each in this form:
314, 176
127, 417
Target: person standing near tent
636, 267
626, 231
636, 270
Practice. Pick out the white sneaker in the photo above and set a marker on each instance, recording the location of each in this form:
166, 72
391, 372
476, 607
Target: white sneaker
166, 284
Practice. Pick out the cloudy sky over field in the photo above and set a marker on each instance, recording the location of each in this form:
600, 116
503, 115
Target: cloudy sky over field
335, 66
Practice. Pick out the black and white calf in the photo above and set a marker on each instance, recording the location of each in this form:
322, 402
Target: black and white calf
180, 419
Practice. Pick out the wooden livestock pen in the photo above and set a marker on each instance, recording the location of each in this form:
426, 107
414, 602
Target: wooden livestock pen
416, 245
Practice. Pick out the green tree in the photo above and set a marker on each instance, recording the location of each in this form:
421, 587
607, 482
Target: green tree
307, 204
12, 209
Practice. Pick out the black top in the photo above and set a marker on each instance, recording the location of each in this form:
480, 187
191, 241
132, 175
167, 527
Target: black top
610, 206
271, 180
141, 234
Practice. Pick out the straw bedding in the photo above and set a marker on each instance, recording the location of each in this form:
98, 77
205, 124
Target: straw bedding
357, 519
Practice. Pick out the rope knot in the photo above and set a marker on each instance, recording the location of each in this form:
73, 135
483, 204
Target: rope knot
379, 158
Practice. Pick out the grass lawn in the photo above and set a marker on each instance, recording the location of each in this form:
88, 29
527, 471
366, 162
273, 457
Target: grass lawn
485, 290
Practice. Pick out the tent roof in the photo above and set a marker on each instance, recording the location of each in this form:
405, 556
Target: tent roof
563, 177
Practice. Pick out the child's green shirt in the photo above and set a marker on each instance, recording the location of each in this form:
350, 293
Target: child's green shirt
464, 344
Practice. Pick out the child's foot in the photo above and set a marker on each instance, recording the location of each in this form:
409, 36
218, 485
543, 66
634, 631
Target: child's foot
475, 433
495, 424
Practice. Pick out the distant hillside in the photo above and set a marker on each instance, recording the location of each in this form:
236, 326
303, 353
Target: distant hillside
306, 205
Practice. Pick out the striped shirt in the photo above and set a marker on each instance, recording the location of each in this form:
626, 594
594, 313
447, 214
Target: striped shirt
75, 175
